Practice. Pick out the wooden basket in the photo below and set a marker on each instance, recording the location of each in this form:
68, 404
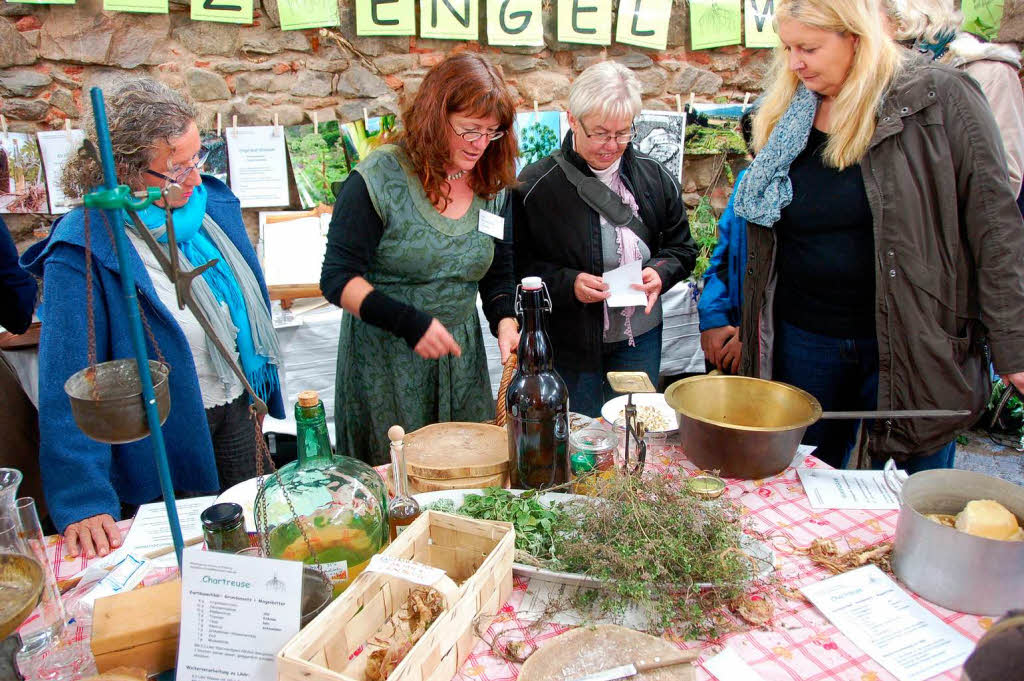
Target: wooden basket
476, 554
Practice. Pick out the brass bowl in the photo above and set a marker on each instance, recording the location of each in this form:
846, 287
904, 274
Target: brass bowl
21, 585
746, 428
119, 415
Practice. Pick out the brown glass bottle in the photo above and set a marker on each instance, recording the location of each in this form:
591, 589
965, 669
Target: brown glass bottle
537, 402
402, 509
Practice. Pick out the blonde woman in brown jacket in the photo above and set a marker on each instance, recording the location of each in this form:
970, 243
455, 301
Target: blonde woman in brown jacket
886, 250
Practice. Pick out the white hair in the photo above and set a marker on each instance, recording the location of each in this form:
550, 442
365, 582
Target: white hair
607, 89
926, 20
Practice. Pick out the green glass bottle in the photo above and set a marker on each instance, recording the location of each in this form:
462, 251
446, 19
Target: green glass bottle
339, 501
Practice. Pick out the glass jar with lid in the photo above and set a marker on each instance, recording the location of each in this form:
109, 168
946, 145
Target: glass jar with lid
592, 451
340, 503
224, 528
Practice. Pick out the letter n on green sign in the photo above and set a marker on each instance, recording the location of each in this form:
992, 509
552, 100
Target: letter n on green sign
385, 17
450, 19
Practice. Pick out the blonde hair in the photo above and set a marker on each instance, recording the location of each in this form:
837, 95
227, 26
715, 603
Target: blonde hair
876, 62
926, 20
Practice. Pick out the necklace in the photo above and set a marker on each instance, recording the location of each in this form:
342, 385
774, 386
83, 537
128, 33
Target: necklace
457, 176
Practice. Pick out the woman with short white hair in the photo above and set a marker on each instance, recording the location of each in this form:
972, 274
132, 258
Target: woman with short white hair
933, 28
569, 230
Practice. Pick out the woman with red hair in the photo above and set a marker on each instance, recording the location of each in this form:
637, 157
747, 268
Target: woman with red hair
413, 238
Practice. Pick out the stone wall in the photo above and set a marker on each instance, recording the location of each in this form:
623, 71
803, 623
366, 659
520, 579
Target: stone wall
51, 54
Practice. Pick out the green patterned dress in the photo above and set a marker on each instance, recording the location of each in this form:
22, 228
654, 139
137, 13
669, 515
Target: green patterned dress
433, 263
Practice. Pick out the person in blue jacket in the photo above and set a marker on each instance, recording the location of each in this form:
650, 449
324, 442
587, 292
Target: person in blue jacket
722, 298
210, 433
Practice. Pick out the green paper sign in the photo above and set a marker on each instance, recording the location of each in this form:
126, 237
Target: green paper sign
150, 6
385, 17
450, 19
714, 23
983, 17
585, 21
758, 23
644, 23
514, 22
300, 14
224, 11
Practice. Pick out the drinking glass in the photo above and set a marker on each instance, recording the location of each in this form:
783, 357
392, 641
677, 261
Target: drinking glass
46, 626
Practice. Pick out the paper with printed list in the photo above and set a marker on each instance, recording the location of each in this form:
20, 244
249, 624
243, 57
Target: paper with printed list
828, 488
885, 622
237, 612
257, 165
620, 285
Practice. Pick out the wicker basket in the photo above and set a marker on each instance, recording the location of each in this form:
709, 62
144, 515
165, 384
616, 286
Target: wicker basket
475, 553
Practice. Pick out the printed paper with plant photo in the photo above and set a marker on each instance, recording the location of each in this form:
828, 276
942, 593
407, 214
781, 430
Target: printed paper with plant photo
22, 183
539, 133
319, 158
217, 161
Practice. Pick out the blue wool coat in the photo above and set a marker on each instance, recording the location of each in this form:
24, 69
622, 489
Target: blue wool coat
81, 477
722, 298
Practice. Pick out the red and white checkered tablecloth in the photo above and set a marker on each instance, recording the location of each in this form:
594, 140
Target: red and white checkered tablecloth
799, 645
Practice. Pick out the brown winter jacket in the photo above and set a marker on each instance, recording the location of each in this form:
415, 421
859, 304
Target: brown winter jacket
949, 260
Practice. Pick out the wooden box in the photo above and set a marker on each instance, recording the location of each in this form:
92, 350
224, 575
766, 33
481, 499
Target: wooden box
476, 554
138, 628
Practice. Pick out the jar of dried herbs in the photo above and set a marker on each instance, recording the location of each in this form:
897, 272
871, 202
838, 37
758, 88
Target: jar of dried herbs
224, 528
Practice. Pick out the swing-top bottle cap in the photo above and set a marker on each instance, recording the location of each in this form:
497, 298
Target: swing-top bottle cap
309, 398
532, 283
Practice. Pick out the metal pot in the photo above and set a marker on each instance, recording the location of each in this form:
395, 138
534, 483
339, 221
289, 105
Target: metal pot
118, 415
946, 566
750, 428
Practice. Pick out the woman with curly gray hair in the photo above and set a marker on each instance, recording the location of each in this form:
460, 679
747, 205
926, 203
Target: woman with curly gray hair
210, 433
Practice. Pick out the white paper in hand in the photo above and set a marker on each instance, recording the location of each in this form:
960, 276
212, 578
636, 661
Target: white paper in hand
620, 285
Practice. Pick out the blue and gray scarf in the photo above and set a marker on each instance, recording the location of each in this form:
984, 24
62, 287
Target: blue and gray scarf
766, 188
229, 283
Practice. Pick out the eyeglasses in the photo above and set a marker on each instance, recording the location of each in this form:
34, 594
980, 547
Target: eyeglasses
474, 135
178, 175
605, 137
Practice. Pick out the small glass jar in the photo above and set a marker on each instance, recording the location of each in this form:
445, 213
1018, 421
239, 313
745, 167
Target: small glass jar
224, 528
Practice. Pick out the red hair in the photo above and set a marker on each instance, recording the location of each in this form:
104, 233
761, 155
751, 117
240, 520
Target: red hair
469, 85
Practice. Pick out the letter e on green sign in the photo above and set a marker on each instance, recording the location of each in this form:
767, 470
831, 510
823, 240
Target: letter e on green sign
225, 11
644, 23
385, 17
585, 21
514, 22
450, 19
758, 23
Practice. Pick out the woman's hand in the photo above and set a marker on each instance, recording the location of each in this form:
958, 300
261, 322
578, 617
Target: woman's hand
590, 288
651, 286
95, 536
731, 354
437, 342
508, 337
1016, 379
713, 341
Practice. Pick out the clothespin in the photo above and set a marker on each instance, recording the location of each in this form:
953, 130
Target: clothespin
277, 126
746, 101
218, 124
366, 119
679, 103
536, 112
234, 124
316, 122
692, 97
3, 124
67, 126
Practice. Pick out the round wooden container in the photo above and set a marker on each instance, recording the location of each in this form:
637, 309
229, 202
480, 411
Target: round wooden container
456, 455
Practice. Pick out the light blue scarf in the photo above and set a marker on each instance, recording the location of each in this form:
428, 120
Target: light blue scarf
765, 188
231, 283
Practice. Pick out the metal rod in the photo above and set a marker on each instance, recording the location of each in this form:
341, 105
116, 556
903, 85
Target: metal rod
135, 322
898, 414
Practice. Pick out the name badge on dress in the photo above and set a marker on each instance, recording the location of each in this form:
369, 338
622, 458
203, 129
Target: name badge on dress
492, 225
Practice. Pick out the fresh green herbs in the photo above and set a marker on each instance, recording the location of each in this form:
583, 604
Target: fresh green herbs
535, 524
